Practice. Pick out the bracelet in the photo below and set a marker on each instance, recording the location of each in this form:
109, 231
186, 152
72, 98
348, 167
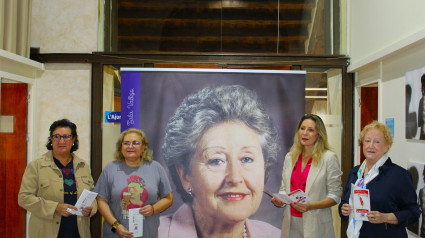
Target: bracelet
153, 209
115, 225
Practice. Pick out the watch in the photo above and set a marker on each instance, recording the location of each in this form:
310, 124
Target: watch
115, 225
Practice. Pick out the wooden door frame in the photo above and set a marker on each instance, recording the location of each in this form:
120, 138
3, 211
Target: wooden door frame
15, 217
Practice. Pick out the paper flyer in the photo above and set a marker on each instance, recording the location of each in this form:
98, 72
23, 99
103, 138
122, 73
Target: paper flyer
361, 202
294, 196
282, 197
135, 222
299, 196
85, 200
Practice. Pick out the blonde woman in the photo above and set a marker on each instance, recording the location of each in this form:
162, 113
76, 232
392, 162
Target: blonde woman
311, 166
133, 180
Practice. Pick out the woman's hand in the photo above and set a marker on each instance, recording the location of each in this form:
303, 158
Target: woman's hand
61, 209
346, 209
377, 217
123, 232
106, 212
277, 203
87, 211
301, 207
147, 210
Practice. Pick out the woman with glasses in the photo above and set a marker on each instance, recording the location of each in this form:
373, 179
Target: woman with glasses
52, 184
132, 181
313, 168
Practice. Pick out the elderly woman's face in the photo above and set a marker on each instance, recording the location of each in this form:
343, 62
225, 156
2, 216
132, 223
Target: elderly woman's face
132, 147
227, 172
374, 145
59, 143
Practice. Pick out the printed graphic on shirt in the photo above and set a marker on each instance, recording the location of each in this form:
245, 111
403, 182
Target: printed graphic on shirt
69, 180
134, 195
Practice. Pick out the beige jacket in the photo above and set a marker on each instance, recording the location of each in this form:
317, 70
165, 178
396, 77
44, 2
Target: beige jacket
42, 190
323, 179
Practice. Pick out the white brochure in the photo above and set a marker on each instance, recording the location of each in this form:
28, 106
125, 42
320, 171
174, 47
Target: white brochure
294, 196
85, 200
361, 202
282, 197
299, 196
135, 222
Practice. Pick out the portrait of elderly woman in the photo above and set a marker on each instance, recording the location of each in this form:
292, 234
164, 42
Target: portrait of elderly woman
219, 146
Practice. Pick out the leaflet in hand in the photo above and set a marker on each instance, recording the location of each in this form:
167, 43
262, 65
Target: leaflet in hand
294, 196
135, 222
361, 202
299, 196
85, 200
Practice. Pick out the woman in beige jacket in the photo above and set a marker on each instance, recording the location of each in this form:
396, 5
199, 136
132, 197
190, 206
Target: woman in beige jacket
313, 168
52, 183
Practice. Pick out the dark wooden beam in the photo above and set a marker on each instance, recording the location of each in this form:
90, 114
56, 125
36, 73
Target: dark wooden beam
232, 60
347, 150
96, 138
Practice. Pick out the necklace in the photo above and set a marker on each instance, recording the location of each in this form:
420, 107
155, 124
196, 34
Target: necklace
245, 235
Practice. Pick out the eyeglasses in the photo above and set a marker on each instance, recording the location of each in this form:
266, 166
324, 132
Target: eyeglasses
134, 143
58, 137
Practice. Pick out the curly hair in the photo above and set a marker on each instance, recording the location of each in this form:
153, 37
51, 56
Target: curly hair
379, 126
321, 144
147, 154
63, 123
208, 107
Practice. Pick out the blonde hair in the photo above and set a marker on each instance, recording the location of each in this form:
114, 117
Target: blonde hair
147, 154
320, 146
379, 126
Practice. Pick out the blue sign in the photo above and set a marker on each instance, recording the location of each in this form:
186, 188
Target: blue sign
390, 123
112, 117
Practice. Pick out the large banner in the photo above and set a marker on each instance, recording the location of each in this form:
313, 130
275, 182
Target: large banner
222, 135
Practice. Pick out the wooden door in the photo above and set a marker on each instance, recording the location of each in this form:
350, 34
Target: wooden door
368, 109
13, 152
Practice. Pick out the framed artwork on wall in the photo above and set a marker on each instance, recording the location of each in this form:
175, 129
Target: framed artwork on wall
417, 170
415, 97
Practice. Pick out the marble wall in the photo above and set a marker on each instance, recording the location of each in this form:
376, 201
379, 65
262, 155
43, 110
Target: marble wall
63, 90
63, 26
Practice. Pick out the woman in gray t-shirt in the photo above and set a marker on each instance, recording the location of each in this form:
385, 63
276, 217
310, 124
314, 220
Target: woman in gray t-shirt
133, 180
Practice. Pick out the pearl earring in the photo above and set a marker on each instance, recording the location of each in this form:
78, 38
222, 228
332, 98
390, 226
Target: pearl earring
189, 191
